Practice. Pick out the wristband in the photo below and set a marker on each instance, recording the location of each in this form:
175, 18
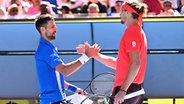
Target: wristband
83, 59
72, 88
123, 90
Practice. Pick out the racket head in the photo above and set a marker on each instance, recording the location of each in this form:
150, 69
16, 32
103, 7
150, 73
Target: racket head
102, 83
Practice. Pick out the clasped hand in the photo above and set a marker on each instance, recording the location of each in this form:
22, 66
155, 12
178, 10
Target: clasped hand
90, 51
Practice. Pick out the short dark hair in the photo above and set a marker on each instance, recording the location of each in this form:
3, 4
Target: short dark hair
167, 4
42, 21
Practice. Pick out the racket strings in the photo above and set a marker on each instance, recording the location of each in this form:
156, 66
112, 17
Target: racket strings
102, 84
101, 87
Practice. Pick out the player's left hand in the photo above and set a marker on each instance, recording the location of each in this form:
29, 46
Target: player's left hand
119, 97
81, 91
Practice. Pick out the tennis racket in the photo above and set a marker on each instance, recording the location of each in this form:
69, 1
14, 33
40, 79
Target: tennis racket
101, 87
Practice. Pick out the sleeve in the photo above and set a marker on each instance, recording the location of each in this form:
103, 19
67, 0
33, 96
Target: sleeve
51, 57
132, 41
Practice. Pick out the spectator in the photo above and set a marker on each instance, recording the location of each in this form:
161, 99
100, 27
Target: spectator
168, 10
115, 10
13, 12
54, 4
75, 5
46, 7
102, 7
117, 6
93, 10
64, 11
22, 9
35, 8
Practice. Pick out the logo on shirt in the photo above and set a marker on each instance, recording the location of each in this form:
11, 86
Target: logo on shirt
133, 43
54, 54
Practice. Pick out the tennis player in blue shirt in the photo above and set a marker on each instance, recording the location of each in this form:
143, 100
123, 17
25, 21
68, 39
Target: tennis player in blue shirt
50, 68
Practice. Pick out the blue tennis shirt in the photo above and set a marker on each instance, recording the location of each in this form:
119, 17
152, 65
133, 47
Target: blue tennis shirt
50, 81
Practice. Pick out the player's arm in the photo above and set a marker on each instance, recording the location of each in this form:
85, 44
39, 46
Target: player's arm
94, 52
106, 60
69, 68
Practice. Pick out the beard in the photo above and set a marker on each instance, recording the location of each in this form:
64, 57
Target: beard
122, 22
51, 37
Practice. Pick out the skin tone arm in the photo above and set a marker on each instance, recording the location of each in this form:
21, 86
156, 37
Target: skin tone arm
93, 52
69, 68
132, 72
106, 60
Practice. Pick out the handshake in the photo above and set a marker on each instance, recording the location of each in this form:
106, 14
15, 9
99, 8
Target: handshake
88, 50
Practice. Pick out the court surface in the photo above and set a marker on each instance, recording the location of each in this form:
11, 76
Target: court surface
149, 101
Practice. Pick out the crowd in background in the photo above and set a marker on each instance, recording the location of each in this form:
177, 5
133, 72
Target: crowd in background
29, 9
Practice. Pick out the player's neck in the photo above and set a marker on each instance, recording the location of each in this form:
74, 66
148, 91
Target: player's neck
46, 38
132, 22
